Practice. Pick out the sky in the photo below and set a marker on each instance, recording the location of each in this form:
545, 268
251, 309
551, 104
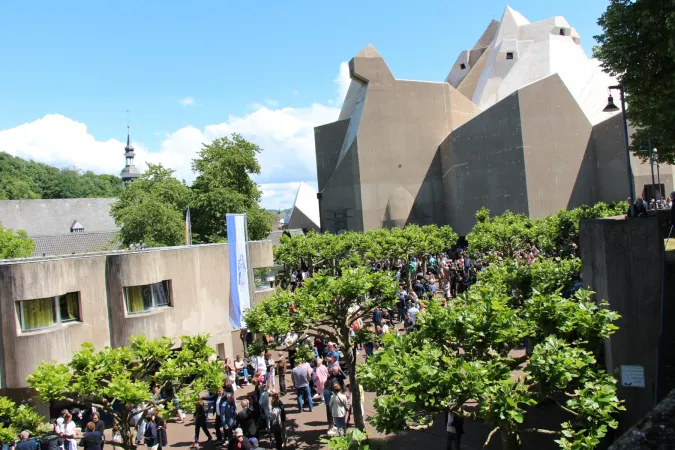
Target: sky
189, 72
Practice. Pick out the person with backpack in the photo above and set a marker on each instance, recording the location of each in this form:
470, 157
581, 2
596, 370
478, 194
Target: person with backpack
278, 421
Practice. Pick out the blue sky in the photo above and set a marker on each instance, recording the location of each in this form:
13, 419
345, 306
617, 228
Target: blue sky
189, 71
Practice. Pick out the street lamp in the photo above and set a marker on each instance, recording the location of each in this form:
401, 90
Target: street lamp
611, 107
655, 158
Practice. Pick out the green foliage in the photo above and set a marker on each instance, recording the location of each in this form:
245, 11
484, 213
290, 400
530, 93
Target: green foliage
151, 209
510, 233
126, 374
637, 46
15, 244
224, 185
22, 180
355, 439
15, 419
351, 249
466, 352
304, 353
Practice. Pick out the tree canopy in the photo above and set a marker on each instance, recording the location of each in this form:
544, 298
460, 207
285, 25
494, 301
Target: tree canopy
115, 380
510, 233
637, 45
15, 244
472, 350
224, 185
24, 180
15, 419
151, 209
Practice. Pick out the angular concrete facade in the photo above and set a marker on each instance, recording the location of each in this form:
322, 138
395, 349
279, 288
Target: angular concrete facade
517, 125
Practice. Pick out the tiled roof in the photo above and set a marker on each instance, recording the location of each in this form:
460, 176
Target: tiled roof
56, 216
73, 243
275, 235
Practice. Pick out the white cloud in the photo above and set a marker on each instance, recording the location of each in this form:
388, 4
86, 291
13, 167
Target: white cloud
187, 101
271, 102
295, 92
286, 136
343, 81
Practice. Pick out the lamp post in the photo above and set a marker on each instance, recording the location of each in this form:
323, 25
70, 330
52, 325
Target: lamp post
611, 107
651, 163
655, 156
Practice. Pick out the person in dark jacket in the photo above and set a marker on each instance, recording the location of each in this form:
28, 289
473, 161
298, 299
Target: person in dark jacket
162, 440
92, 439
150, 435
228, 415
52, 441
200, 423
99, 426
25, 443
239, 442
247, 419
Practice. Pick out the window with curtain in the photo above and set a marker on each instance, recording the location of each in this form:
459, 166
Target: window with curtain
148, 296
69, 307
47, 312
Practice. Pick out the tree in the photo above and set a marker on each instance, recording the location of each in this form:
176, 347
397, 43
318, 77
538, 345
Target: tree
467, 352
21, 179
224, 185
151, 209
115, 380
14, 420
15, 244
327, 305
637, 46
507, 233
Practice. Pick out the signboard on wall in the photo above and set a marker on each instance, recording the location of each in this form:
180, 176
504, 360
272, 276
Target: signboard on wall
240, 293
633, 376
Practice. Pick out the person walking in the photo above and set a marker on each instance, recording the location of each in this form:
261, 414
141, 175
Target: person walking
150, 434
200, 423
228, 414
301, 375
339, 405
99, 426
281, 368
278, 421
454, 430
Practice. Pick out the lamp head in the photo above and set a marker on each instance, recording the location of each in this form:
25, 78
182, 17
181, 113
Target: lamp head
611, 107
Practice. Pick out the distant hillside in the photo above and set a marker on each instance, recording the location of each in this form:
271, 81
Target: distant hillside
22, 180
285, 212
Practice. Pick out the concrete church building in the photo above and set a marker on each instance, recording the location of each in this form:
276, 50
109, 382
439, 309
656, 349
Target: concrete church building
517, 125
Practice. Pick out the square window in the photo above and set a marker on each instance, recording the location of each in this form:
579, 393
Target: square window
36, 314
509, 55
462, 66
69, 307
147, 297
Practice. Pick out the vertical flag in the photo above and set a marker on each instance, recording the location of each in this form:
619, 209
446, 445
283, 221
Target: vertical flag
188, 228
240, 295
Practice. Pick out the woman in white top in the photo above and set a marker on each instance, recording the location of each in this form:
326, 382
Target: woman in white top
338, 406
232, 376
67, 432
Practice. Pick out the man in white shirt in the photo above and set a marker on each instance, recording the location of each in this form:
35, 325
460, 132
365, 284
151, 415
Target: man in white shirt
258, 364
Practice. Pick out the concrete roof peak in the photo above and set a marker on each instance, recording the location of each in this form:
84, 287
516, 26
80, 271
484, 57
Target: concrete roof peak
368, 52
511, 14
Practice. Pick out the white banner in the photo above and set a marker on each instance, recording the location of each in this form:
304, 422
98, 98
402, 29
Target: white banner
240, 293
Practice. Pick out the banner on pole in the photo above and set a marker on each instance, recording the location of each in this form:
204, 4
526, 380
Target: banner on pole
240, 294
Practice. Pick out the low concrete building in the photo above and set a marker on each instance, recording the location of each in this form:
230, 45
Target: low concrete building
50, 306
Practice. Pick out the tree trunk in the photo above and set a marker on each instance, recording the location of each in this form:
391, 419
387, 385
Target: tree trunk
510, 441
359, 421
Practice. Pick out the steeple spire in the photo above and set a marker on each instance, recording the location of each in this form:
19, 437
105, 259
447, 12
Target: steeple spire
130, 172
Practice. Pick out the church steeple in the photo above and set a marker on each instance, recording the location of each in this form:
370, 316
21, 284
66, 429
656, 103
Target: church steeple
130, 172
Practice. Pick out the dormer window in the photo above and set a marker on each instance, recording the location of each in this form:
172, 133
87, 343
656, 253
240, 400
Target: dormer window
562, 32
462, 66
77, 227
509, 55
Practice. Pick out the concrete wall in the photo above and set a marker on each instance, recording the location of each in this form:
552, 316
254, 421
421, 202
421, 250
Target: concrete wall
621, 261
23, 352
200, 299
483, 165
